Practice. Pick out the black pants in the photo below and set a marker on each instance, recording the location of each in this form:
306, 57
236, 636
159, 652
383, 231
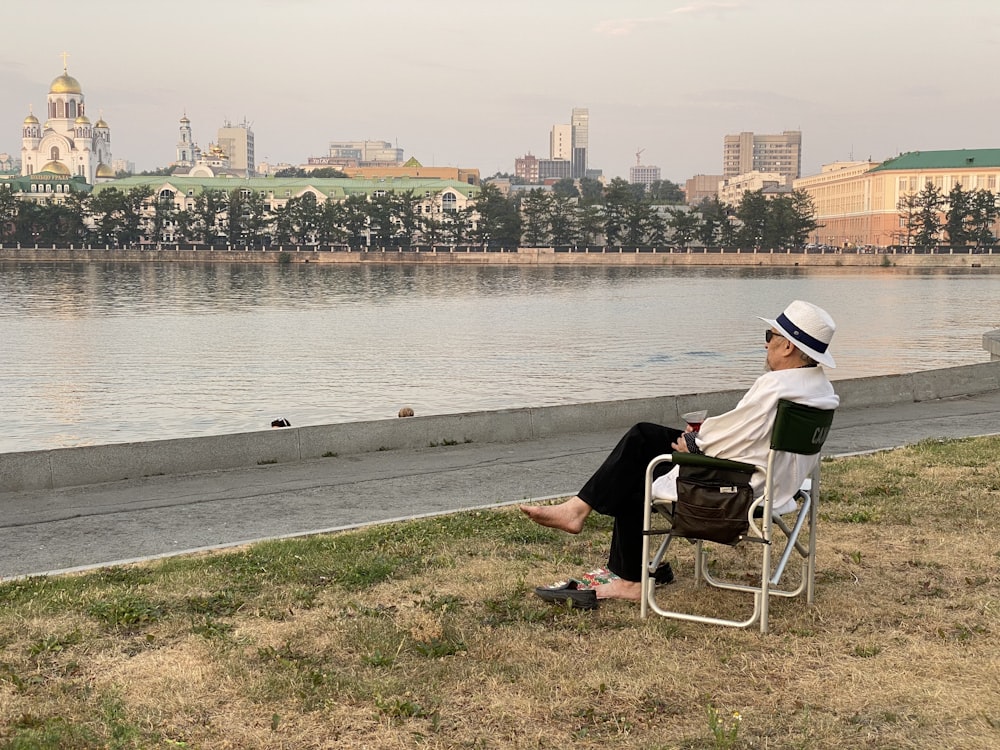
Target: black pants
617, 489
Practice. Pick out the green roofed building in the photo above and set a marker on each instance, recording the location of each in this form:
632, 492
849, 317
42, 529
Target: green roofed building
866, 203
434, 201
962, 159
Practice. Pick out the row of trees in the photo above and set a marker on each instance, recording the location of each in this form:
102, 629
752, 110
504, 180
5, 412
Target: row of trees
618, 214
969, 216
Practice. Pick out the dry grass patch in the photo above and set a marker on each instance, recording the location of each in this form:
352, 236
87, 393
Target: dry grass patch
426, 634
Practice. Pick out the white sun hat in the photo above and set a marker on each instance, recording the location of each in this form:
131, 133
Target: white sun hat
809, 328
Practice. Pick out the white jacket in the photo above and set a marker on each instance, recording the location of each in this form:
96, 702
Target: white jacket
744, 434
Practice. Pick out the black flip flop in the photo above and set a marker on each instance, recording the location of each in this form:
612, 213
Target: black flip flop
569, 594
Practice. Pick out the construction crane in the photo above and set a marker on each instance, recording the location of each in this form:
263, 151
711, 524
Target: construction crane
637, 155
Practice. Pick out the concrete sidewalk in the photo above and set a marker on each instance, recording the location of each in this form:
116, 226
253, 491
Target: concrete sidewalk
44, 531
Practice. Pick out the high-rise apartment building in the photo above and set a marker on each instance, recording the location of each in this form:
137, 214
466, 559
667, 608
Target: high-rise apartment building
236, 141
580, 123
749, 152
561, 142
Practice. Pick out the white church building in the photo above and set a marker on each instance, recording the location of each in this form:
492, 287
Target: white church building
67, 144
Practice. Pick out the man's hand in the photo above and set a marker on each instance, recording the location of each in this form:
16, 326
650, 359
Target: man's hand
680, 445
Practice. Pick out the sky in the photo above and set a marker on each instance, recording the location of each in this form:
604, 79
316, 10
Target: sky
479, 83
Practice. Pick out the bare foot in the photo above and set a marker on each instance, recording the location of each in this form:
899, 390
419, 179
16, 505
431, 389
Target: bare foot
620, 589
568, 516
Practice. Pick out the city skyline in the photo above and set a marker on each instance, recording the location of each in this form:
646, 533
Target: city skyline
477, 86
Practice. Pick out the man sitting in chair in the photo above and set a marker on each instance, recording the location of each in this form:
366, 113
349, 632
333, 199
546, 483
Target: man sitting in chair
797, 342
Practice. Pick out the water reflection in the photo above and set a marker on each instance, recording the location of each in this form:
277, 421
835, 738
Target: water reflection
113, 352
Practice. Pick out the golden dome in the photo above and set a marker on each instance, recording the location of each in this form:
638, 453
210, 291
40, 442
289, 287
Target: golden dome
30, 120
82, 120
65, 84
56, 167
103, 170
101, 124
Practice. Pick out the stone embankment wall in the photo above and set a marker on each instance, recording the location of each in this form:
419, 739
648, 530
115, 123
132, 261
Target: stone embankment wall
991, 343
522, 256
66, 467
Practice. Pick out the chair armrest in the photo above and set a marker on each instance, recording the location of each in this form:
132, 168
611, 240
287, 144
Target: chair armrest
710, 462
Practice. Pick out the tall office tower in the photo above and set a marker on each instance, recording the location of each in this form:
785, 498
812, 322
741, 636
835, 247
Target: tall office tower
580, 123
237, 142
748, 152
561, 142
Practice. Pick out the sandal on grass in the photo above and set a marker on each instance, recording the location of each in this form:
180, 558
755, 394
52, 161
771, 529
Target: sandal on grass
572, 593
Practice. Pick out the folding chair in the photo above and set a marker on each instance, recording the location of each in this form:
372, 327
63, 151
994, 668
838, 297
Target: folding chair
797, 429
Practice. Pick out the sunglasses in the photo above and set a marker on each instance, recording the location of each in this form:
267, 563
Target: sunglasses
769, 334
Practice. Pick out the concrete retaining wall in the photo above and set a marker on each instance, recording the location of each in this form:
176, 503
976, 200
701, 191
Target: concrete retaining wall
67, 467
991, 343
525, 256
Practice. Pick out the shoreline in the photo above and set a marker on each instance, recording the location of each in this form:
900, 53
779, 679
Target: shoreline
55, 468
521, 256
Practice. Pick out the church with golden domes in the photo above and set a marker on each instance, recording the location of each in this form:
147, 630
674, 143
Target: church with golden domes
67, 145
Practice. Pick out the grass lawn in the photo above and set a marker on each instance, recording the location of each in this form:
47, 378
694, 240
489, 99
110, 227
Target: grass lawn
427, 634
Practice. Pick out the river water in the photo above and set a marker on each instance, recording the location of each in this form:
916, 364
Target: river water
106, 353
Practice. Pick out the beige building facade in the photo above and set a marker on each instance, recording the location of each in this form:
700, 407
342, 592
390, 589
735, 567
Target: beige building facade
752, 152
700, 187
732, 189
859, 203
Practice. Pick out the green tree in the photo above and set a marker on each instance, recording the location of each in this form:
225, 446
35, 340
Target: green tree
909, 214
8, 213
380, 219
591, 191
164, 211
458, 225
958, 217
929, 205
235, 229
684, 225
307, 215
714, 215
355, 220
590, 224
803, 217
207, 211
256, 219
134, 223
752, 215
326, 173
536, 209
331, 230
108, 209
564, 224
983, 214
665, 191
619, 209
432, 230
75, 230
499, 222
565, 188
184, 221
406, 223
29, 223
